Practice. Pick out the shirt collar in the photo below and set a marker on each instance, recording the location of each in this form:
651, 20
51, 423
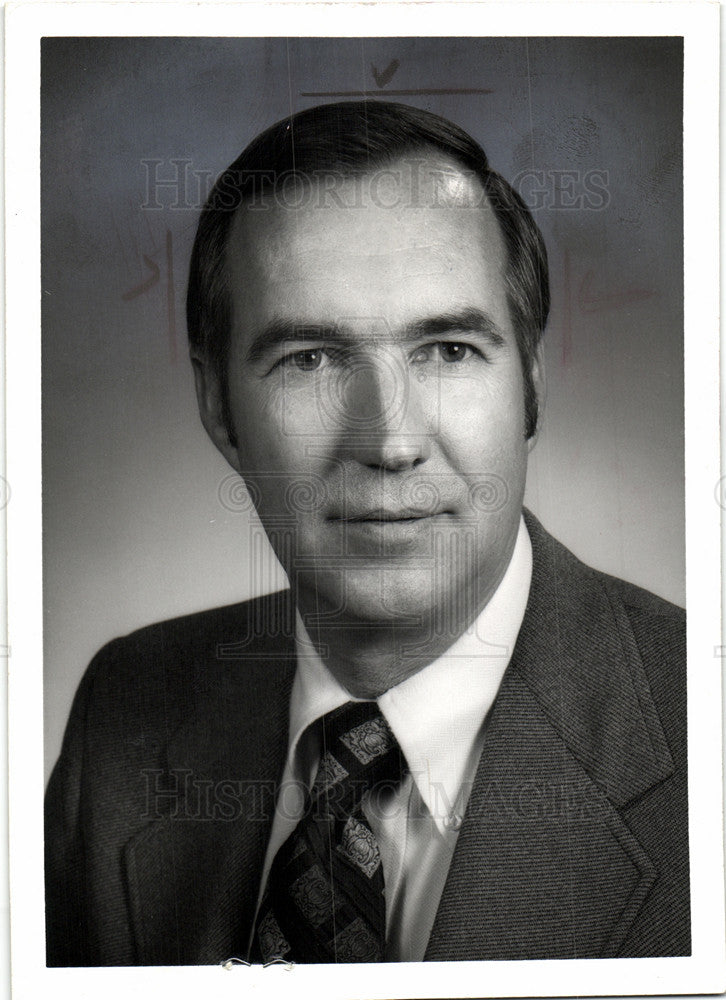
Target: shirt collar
437, 714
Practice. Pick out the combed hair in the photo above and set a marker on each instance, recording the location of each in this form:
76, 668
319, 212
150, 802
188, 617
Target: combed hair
349, 138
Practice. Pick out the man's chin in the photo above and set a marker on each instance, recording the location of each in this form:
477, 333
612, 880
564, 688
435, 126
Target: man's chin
379, 598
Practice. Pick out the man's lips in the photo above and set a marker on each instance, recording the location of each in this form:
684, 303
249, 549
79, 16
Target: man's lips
383, 515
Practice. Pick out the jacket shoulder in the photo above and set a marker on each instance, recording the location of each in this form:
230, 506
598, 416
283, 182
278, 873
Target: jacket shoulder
639, 601
599, 605
246, 634
659, 630
260, 623
147, 683
565, 568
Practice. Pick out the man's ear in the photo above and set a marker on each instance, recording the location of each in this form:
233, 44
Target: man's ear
539, 382
209, 398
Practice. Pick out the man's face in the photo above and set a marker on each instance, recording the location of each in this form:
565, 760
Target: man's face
376, 394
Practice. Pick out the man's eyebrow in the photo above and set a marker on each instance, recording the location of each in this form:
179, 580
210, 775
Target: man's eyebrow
279, 332
469, 320
282, 331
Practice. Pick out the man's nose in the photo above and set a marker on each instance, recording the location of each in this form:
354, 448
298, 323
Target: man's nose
384, 424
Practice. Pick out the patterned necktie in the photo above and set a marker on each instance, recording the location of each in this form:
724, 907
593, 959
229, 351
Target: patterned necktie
324, 900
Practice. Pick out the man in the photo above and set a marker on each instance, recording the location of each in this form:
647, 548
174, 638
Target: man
449, 739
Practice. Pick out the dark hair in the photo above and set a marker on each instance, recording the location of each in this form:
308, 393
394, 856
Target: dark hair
346, 138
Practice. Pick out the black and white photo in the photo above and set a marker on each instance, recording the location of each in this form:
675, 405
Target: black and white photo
367, 452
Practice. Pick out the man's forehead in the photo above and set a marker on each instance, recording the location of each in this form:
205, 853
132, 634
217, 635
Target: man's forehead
428, 199
429, 177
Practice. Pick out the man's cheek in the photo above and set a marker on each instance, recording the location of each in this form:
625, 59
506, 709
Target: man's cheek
302, 407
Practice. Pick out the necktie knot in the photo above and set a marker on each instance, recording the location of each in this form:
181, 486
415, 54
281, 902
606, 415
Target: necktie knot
358, 751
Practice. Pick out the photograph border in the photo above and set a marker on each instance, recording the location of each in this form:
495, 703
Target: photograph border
705, 970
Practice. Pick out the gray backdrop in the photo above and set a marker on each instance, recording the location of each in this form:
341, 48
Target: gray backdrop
140, 519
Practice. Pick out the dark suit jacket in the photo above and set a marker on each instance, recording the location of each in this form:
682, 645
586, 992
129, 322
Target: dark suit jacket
574, 843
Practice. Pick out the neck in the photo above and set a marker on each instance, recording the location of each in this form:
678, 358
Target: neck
367, 662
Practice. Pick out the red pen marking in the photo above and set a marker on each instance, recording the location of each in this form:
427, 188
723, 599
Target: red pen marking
384, 76
567, 318
170, 304
134, 293
591, 302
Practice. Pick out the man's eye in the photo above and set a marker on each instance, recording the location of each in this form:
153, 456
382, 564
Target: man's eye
308, 360
453, 351
450, 351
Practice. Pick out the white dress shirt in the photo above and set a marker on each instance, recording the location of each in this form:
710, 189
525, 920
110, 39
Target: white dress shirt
437, 715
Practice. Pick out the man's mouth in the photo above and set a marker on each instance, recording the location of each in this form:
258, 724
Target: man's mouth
384, 515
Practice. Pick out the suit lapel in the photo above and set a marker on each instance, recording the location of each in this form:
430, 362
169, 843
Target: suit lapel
193, 873
545, 866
